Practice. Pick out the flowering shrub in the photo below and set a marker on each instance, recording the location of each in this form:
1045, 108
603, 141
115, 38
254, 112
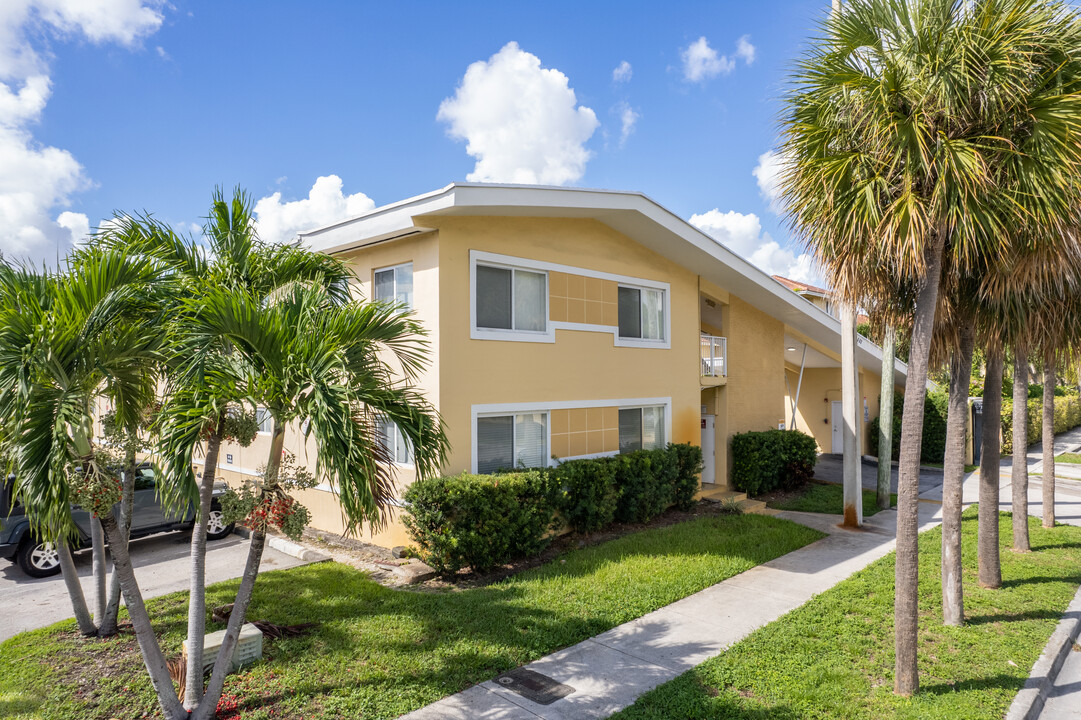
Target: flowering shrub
261, 504
96, 490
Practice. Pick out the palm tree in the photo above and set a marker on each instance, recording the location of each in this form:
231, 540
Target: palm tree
904, 120
210, 410
66, 339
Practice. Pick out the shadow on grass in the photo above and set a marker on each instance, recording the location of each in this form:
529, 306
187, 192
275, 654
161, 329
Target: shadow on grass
18, 706
994, 682
1073, 579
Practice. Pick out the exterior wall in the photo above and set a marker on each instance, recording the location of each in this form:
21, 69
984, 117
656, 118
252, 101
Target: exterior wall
755, 387
583, 368
584, 431
821, 387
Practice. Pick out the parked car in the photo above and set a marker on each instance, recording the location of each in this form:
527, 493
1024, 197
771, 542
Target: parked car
40, 559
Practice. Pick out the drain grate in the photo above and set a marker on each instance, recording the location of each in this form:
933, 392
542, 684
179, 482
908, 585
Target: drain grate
541, 689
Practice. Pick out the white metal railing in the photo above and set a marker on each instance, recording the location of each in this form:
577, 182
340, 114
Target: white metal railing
714, 356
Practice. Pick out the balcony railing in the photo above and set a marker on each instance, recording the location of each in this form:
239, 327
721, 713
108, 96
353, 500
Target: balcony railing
714, 356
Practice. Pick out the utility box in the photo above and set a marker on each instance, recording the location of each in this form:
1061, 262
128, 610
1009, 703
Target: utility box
249, 648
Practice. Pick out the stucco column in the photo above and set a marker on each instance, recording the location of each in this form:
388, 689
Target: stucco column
850, 412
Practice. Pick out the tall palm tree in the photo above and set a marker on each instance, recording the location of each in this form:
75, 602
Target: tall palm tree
903, 118
68, 338
236, 257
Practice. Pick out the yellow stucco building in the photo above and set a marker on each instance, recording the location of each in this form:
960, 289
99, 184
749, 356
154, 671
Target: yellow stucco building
568, 323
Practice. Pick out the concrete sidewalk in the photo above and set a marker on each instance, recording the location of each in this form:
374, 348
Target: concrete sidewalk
608, 672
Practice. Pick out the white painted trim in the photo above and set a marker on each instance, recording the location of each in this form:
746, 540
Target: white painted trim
585, 327
530, 264
588, 456
498, 409
512, 413
666, 301
478, 333
395, 267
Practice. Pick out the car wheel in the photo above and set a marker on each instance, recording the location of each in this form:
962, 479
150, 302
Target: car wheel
38, 559
216, 528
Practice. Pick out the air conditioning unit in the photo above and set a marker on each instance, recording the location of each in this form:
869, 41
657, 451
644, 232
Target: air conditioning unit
249, 648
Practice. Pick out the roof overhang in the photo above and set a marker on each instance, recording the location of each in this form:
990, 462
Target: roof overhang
631, 213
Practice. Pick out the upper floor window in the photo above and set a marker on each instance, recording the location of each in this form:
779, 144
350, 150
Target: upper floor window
641, 313
511, 299
395, 284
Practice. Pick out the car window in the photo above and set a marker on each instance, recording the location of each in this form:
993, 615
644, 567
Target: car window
144, 479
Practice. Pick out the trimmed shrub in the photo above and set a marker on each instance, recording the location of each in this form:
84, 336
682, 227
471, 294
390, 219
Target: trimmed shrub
933, 447
480, 521
771, 460
689, 467
1067, 417
590, 494
645, 479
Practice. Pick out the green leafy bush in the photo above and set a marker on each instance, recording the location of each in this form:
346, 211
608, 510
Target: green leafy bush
1067, 417
771, 460
933, 447
590, 494
480, 521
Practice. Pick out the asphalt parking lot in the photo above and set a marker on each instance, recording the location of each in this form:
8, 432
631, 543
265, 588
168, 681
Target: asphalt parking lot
161, 565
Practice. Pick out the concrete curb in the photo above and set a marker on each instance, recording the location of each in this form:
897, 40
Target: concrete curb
286, 546
1030, 700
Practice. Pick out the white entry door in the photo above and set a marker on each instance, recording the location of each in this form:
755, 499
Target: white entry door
709, 453
838, 422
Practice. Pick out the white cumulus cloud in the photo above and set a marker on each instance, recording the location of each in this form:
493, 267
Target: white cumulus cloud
623, 72
521, 121
628, 118
36, 180
768, 173
743, 235
279, 221
78, 224
701, 62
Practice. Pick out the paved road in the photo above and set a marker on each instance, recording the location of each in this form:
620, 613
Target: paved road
1064, 702
831, 469
161, 565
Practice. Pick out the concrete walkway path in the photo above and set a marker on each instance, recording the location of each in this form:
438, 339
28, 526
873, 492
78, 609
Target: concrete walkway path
610, 671
1064, 702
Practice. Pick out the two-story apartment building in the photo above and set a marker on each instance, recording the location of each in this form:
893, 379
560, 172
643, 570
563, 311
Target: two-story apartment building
569, 323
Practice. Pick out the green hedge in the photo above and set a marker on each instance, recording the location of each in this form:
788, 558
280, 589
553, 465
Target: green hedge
935, 410
1067, 417
481, 521
773, 459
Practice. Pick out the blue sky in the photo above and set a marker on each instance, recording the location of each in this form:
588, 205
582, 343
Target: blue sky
127, 105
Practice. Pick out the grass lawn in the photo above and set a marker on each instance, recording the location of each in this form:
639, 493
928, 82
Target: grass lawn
379, 652
1068, 458
833, 657
828, 498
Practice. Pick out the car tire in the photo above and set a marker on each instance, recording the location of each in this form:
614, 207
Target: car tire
216, 529
38, 559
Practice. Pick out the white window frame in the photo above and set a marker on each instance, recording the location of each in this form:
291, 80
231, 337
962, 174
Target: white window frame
269, 418
519, 263
514, 414
483, 333
409, 449
503, 409
667, 407
664, 342
412, 305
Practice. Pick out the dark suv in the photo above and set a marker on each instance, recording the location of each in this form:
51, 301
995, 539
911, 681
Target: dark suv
40, 559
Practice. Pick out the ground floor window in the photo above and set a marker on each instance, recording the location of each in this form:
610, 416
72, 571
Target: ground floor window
395, 442
511, 441
641, 428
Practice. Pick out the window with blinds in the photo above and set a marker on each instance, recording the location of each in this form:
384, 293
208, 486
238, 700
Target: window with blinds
395, 284
507, 442
511, 299
395, 443
641, 313
264, 420
641, 428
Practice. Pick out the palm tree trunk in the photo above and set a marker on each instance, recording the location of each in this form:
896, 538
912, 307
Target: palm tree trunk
154, 661
193, 691
75, 589
885, 419
100, 569
1048, 480
990, 570
1019, 466
953, 473
906, 617
209, 704
127, 501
